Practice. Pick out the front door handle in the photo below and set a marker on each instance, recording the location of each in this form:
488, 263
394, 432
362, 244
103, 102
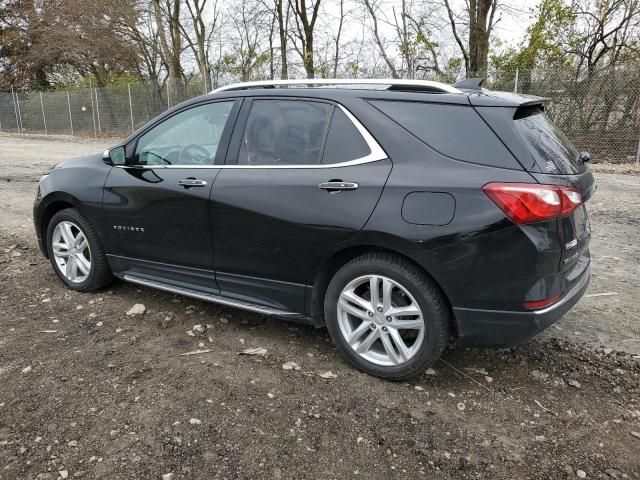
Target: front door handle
192, 182
338, 185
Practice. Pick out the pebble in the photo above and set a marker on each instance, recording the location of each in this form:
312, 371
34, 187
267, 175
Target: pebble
635, 434
461, 406
575, 383
195, 421
73, 443
166, 321
167, 476
99, 324
198, 328
419, 388
538, 375
488, 379
290, 366
137, 309
26, 369
63, 474
581, 474
430, 371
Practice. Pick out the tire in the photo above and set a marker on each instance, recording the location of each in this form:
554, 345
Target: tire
409, 287
98, 274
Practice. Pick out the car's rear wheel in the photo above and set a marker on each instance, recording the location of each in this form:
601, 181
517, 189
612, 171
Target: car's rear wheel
386, 316
76, 253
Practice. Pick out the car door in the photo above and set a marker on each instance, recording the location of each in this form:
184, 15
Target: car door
301, 176
156, 207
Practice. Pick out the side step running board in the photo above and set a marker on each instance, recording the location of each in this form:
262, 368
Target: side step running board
208, 297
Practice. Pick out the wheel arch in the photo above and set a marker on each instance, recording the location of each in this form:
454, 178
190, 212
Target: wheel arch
52, 204
326, 269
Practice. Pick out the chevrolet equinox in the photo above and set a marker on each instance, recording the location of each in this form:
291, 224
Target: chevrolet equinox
404, 216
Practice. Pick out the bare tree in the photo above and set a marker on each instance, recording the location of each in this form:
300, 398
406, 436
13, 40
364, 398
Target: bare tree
282, 16
373, 9
479, 15
249, 20
305, 25
336, 40
167, 16
199, 36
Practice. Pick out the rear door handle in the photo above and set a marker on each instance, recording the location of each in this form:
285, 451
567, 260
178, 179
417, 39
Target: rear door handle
192, 182
336, 186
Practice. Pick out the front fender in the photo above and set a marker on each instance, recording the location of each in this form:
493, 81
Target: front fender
79, 185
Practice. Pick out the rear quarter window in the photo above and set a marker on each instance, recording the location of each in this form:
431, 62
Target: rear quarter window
456, 131
344, 142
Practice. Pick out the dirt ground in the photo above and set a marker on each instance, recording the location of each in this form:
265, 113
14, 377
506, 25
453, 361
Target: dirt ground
88, 391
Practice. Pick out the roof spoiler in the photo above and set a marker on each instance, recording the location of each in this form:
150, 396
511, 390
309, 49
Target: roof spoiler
469, 84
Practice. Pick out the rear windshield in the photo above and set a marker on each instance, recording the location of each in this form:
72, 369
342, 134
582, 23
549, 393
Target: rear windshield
551, 149
456, 131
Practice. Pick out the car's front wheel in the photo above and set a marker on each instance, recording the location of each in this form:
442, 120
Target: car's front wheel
76, 253
386, 316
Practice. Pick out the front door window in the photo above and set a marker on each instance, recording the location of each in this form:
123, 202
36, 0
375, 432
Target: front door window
188, 138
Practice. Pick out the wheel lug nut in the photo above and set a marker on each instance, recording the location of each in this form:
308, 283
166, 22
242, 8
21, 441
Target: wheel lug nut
385, 329
388, 319
370, 314
372, 325
380, 309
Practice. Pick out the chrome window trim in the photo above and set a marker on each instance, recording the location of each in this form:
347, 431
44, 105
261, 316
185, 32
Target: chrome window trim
376, 154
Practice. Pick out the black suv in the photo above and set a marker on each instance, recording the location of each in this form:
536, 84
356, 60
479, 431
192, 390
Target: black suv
402, 215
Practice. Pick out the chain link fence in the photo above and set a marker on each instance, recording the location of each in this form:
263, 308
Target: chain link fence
114, 110
600, 114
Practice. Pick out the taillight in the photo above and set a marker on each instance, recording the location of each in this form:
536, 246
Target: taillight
541, 303
530, 202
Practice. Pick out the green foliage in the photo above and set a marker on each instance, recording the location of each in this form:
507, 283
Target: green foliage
544, 41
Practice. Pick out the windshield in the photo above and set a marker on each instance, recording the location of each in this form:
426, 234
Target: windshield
551, 149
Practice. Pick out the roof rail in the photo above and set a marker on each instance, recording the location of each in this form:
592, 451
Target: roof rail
392, 84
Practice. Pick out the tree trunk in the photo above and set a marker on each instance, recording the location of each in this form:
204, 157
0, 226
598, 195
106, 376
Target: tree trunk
282, 28
308, 57
480, 24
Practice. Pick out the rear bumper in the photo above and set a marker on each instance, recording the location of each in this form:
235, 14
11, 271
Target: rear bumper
500, 328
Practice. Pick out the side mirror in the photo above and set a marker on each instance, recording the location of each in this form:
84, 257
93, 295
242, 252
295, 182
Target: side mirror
115, 156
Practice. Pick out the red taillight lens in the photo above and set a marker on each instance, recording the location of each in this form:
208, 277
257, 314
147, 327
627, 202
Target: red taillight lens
530, 202
541, 303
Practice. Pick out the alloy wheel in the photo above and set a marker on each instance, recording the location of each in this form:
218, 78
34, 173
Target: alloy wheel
71, 251
380, 320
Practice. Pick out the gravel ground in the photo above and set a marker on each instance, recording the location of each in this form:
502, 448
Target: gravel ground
89, 391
